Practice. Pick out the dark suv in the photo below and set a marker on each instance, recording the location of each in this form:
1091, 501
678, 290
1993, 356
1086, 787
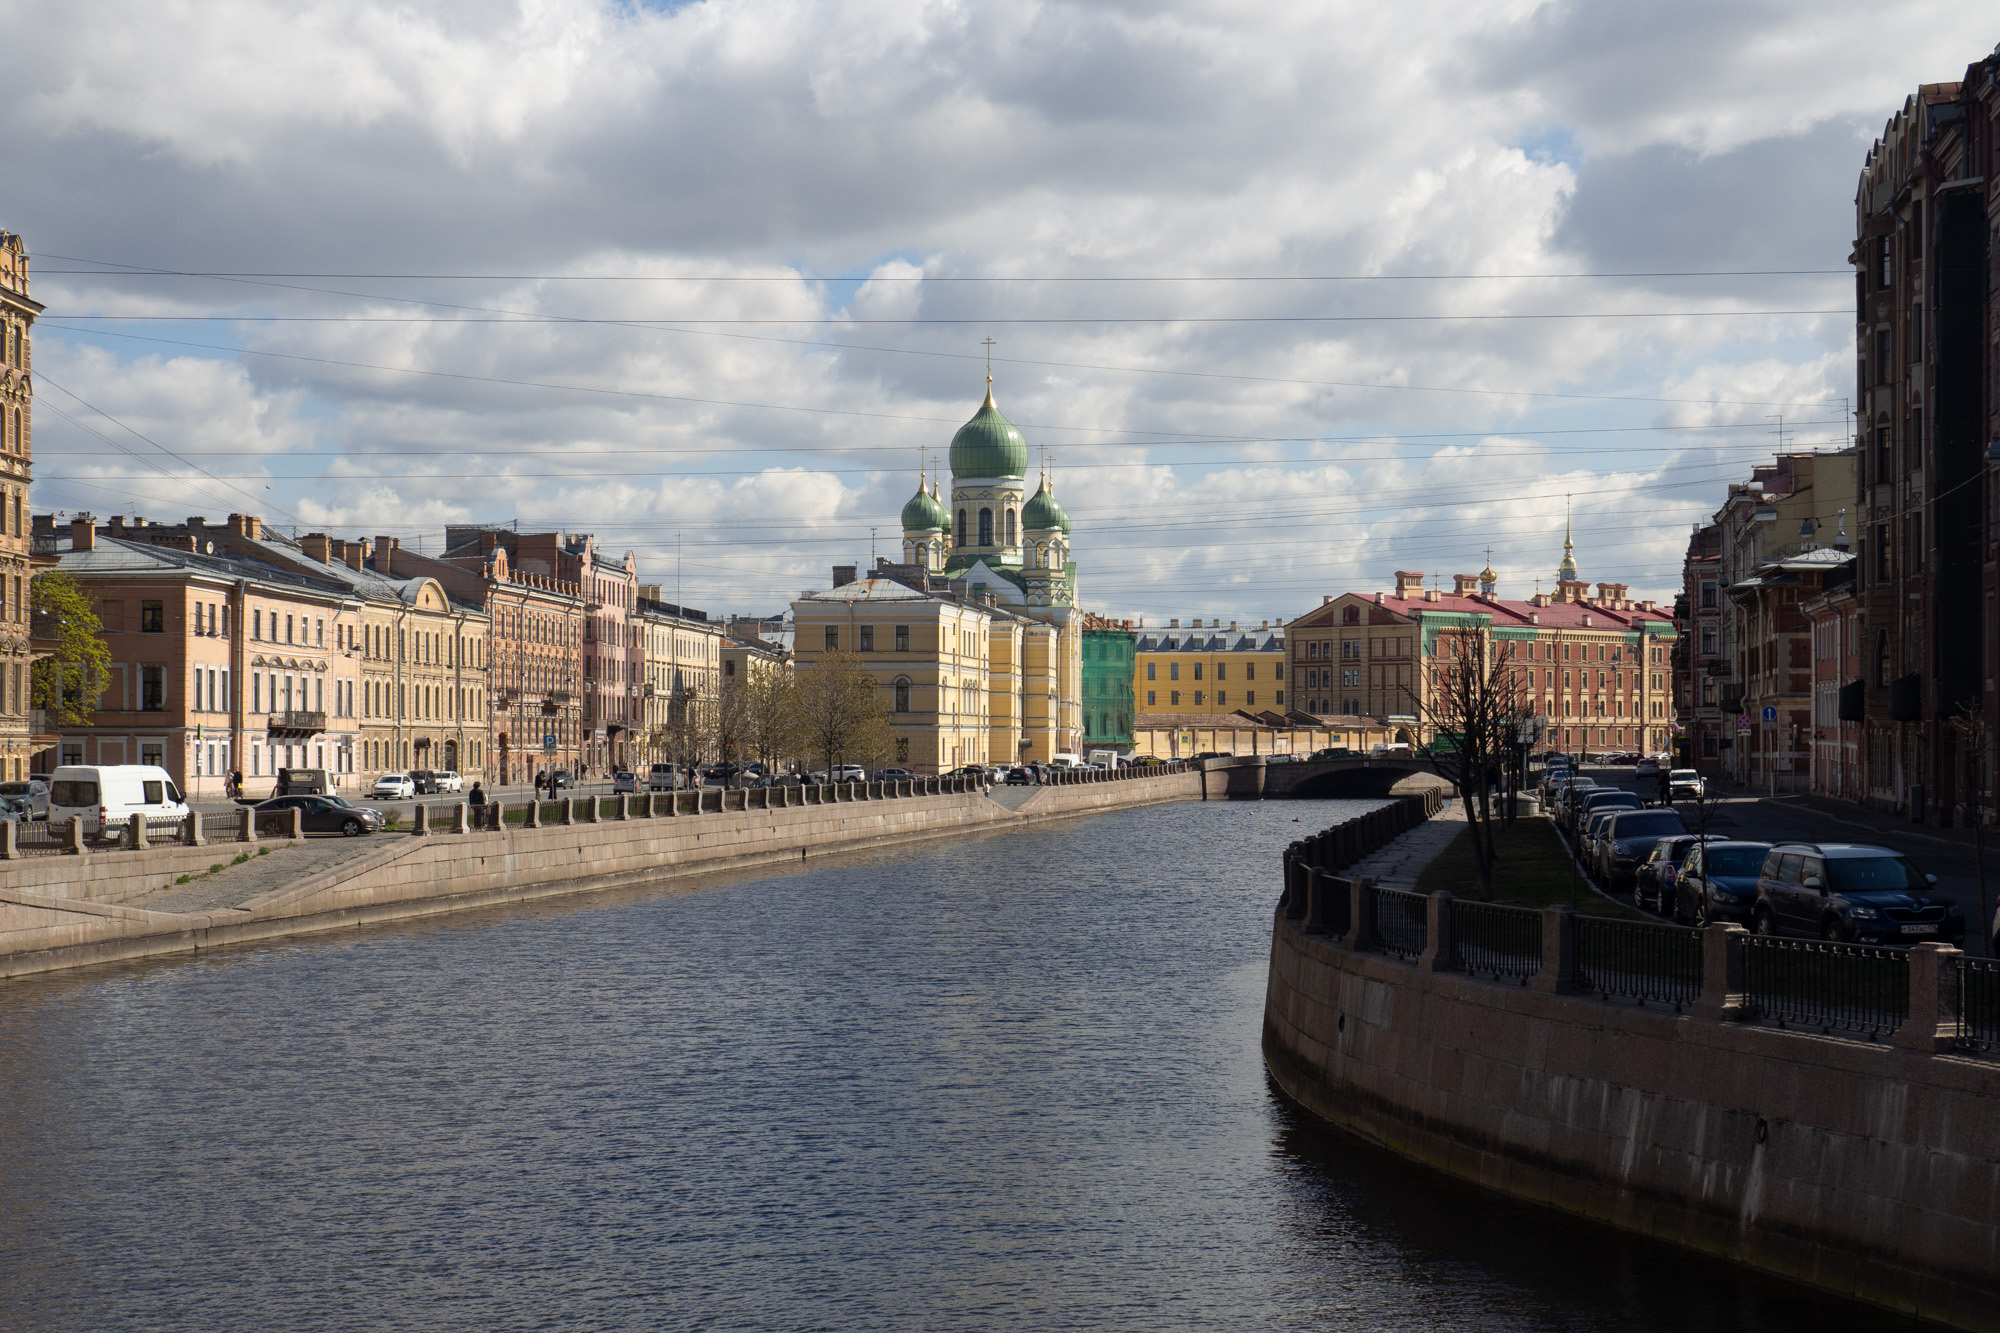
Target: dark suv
1627, 839
1717, 882
1852, 891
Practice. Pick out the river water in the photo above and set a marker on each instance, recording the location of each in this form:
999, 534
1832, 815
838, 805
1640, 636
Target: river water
1006, 1082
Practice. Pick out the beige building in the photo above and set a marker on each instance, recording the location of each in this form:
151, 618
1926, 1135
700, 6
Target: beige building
19, 737
681, 671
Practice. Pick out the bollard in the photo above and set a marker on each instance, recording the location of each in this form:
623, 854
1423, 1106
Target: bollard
1558, 973
73, 844
1440, 943
533, 817
246, 830
420, 823
1723, 990
496, 817
458, 824
1935, 1022
624, 806
191, 830
566, 810
10, 847
134, 836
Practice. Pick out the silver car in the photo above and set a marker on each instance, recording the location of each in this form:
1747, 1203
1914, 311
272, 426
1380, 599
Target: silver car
32, 795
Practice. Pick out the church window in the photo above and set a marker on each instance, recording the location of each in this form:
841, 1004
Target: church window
958, 532
1010, 527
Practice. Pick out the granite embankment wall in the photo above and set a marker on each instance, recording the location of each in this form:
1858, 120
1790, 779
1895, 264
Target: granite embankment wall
49, 926
1866, 1169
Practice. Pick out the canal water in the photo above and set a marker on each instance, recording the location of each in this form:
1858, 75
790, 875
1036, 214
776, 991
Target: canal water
1005, 1082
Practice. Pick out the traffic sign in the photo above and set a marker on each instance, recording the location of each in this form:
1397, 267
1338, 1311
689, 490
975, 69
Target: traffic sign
549, 742
1743, 722
1770, 713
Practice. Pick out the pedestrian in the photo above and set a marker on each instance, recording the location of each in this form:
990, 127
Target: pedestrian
477, 796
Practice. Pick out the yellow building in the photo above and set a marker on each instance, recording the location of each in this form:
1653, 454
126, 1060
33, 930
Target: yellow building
928, 655
1208, 669
682, 669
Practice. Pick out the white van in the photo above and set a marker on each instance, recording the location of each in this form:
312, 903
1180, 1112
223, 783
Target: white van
111, 794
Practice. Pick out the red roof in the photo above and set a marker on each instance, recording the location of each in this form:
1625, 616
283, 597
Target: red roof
1509, 613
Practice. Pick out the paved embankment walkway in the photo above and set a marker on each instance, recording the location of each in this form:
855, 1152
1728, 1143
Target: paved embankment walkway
1397, 864
237, 882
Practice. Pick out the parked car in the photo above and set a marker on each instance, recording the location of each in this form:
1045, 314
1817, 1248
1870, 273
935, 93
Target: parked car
894, 775
1653, 878
1280, 759
1334, 752
425, 781
1586, 837
1019, 777
668, 777
1852, 891
560, 777
322, 814
393, 787
1627, 839
624, 781
14, 810
1591, 802
1684, 784
31, 793
1717, 882
447, 780
110, 794
303, 782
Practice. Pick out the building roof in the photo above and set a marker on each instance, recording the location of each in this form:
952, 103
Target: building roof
1042, 513
1211, 641
924, 514
877, 590
1504, 613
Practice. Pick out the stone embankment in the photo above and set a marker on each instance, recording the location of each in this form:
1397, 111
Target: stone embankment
62, 911
1825, 1112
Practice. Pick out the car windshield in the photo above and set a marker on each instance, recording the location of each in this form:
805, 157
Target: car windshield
1613, 800
1683, 774
1734, 860
340, 801
14, 789
1651, 823
1873, 874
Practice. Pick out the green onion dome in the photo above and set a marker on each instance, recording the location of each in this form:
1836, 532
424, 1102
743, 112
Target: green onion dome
988, 445
924, 514
1042, 513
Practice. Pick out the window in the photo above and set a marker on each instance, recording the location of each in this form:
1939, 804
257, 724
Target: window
1250, 699
1174, 698
867, 638
1350, 615
1010, 527
1173, 671
1883, 562
986, 527
1708, 594
1222, 671
958, 531
1883, 353
902, 638
1197, 671
1249, 671
1151, 698
1221, 698
902, 695
1312, 651
833, 638
319, 633
152, 689
1885, 273
1281, 702
152, 617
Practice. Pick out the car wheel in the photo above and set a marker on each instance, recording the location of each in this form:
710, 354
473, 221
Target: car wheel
1701, 915
1763, 924
1833, 930
352, 829
1681, 917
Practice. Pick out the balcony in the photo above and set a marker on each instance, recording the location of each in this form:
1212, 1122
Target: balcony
295, 725
40, 728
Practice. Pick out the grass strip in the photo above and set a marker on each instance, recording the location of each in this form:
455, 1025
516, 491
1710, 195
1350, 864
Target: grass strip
1530, 869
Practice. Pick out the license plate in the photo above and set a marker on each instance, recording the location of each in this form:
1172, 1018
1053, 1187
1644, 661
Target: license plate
1920, 930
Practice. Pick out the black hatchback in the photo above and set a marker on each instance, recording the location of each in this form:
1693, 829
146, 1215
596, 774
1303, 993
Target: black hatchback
1852, 891
318, 814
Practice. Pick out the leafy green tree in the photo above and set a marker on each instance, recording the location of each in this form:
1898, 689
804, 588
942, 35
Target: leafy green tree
71, 680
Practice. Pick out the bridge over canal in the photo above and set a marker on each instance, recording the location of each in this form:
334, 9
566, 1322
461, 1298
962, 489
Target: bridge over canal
1255, 778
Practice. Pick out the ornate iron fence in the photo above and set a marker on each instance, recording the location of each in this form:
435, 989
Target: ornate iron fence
1979, 1003
1498, 940
1818, 983
38, 837
1399, 921
1639, 960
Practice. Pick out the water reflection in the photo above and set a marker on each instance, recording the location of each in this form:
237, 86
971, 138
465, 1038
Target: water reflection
1009, 1081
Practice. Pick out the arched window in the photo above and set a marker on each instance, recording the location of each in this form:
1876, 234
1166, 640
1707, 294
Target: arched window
902, 694
958, 532
1010, 528
986, 527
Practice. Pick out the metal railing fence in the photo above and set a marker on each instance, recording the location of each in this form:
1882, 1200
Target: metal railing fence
1400, 926
39, 837
1979, 1003
1639, 960
1498, 940
1819, 983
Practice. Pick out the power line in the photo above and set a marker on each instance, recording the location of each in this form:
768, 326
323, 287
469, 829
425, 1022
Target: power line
961, 321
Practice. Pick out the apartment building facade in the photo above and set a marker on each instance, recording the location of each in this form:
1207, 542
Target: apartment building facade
21, 736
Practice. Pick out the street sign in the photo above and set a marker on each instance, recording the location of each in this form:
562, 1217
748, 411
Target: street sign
549, 742
1743, 722
1770, 713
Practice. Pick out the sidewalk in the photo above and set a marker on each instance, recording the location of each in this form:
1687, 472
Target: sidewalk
1397, 865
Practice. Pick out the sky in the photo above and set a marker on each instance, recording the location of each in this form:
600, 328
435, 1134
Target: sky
1290, 296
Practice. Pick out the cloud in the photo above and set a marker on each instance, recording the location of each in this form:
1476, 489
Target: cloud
703, 226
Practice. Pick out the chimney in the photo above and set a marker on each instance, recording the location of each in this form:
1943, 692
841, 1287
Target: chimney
1433, 595
1232, 625
197, 523
1464, 585
1409, 582
117, 524
843, 575
1326, 599
1173, 624
246, 525
355, 553
82, 534
316, 545
385, 555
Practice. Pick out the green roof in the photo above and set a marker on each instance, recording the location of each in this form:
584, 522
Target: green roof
1042, 513
988, 445
923, 514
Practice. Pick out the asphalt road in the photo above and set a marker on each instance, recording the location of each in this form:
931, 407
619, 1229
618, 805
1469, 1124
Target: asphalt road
1951, 855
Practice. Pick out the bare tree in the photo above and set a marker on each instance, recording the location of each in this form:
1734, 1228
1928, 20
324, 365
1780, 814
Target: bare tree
841, 717
691, 724
771, 715
1474, 704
